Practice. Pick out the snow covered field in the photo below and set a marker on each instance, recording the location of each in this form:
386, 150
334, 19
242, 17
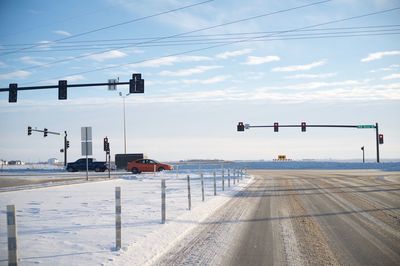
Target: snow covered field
75, 224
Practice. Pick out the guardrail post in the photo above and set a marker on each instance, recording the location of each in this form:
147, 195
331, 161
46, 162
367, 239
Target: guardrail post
163, 201
215, 185
229, 178
12, 236
223, 181
189, 196
202, 187
118, 218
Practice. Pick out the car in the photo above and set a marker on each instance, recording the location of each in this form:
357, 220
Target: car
147, 165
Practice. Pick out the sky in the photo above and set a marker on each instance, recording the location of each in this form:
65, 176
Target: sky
207, 65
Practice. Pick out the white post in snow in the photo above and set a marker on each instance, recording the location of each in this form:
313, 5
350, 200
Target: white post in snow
154, 170
215, 185
189, 196
202, 187
163, 201
118, 218
177, 170
12, 236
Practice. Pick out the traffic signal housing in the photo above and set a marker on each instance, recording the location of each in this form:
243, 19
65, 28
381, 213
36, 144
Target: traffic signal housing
380, 137
276, 127
303, 126
136, 84
45, 132
29, 130
62, 89
67, 144
240, 126
106, 144
13, 93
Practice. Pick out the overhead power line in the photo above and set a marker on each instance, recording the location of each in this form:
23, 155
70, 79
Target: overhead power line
179, 34
225, 44
114, 25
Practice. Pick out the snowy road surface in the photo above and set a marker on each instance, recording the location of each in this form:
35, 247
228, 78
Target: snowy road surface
301, 218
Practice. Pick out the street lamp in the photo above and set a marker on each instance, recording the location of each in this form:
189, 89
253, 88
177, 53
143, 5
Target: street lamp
362, 148
123, 100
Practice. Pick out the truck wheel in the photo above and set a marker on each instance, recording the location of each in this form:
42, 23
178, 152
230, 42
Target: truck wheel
160, 169
70, 169
135, 170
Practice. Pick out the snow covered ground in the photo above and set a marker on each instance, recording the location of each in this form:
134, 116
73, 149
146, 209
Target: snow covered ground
75, 224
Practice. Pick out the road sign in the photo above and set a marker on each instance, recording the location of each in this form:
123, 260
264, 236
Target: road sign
112, 84
365, 126
86, 133
86, 148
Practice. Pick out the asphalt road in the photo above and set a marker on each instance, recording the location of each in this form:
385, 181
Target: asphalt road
301, 218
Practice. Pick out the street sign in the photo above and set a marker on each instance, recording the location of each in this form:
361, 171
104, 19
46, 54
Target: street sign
365, 126
86, 148
86, 133
112, 86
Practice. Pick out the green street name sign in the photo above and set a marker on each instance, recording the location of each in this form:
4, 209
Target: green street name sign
365, 126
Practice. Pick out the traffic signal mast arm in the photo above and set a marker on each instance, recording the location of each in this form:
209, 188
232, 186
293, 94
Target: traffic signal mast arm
308, 125
43, 131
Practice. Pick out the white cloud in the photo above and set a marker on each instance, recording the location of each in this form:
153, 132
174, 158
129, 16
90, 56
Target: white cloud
62, 33
74, 78
15, 75
29, 60
212, 80
107, 55
379, 55
392, 76
170, 60
299, 67
258, 60
311, 76
229, 54
188, 71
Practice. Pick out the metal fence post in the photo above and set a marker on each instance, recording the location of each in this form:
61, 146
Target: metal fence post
118, 218
215, 185
223, 181
229, 178
12, 236
163, 201
189, 196
202, 187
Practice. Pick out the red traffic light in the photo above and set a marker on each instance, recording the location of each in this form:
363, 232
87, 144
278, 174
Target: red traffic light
276, 127
240, 126
380, 137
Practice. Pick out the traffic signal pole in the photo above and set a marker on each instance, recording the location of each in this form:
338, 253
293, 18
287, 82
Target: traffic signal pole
241, 127
65, 148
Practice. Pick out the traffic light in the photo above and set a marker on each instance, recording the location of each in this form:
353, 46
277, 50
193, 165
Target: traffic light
13, 93
303, 126
380, 138
62, 89
240, 126
106, 146
276, 127
29, 130
67, 144
136, 84
45, 132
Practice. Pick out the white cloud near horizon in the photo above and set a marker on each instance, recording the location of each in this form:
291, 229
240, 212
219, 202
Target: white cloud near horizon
107, 55
392, 76
258, 60
299, 67
62, 33
379, 55
236, 53
212, 80
20, 74
188, 71
311, 76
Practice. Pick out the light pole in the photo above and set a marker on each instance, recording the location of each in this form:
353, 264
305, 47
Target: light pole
123, 100
362, 148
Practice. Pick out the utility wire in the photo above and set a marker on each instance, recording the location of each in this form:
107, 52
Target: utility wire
113, 26
224, 44
196, 41
112, 42
180, 34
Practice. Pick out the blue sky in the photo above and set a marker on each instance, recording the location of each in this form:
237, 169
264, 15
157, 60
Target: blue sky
306, 67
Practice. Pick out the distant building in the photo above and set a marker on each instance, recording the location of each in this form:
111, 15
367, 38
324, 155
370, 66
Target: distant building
3, 162
16, 162
53, 161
